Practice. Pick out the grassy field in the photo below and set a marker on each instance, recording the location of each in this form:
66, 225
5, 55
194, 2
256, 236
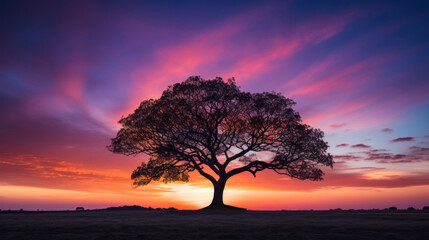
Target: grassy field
212, 225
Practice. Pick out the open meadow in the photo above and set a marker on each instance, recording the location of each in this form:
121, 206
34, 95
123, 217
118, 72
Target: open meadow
165, 224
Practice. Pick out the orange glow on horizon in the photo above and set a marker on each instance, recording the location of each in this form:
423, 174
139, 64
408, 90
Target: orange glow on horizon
183, 196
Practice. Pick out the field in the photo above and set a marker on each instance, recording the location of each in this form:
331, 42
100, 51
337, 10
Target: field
215, 225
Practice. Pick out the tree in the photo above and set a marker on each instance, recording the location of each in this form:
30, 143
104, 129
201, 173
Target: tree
214, 128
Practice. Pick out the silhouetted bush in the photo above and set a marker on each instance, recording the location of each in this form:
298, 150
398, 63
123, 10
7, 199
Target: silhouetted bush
79, 209
425, 208
136, 207
133, 207
393, 209
411, 209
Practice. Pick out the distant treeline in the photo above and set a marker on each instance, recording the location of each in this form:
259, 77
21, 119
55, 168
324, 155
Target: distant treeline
120, 208
426, 208
136, 207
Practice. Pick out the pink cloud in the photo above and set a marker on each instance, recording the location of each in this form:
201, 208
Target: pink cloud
346, 111
338, 79
204, 51
379, 107
342, 145
312, 32
177, 62
324, 79
338, 125
311, 73
337, 178
54, 173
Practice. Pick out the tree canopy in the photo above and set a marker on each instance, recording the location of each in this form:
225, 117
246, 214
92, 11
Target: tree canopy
214, 128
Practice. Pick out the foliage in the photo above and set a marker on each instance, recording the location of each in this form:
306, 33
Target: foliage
213, 127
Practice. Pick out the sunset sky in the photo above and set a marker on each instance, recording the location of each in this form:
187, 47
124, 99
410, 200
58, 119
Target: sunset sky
70, 69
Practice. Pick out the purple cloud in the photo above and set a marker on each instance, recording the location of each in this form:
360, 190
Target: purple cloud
419, 150
403, 139
387, 130
338, 125
360, 146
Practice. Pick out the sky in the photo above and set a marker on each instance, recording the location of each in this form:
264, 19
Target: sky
69, 70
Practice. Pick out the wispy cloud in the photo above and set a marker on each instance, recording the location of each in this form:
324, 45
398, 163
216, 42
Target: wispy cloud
343, 145
54, 173
414, 154
360, 146
338, 125
403, 139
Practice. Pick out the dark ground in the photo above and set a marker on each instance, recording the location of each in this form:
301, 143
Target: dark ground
129, 224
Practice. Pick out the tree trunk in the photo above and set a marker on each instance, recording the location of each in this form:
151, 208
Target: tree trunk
217, 202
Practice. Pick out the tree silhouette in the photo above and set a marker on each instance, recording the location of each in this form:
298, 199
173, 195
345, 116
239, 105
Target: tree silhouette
213, 127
